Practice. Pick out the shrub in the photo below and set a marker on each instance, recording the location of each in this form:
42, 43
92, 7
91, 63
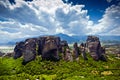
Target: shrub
11, 69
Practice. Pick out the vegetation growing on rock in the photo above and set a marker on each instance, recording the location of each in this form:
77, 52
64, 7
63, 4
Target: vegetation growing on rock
37, 69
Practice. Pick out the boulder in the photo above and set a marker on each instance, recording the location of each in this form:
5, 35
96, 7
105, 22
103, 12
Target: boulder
92, 39
46, 46
83, 50
94, 48
1, 54
41, 41
68, 55
30, 51
76, 51
18, 50
50, 48
63, 46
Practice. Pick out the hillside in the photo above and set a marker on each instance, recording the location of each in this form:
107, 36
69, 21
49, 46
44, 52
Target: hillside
11, 69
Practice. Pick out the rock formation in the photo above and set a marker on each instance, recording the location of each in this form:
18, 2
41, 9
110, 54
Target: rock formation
50, 48
19, 48
68, 55
94, 48
29, 52
1, 54
83, 50
76, 51
47, 47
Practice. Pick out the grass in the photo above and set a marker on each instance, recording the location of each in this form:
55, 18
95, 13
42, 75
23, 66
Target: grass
11, 69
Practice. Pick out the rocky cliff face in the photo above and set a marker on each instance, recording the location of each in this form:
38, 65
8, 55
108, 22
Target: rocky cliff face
94, 48
1, 54
49, 47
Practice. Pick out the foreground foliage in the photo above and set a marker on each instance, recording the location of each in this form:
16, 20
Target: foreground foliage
11, 69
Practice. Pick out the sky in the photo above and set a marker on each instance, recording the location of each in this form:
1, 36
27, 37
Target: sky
30, 18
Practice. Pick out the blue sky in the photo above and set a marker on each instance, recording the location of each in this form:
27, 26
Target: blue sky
29, 18
95, 8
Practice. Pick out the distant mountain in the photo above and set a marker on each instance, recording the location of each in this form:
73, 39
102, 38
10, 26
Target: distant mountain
72, 39
81, 38
109, 38
12, 42
69, 39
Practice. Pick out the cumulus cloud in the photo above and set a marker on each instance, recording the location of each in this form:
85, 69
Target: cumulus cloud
115, 32
48, 17
73, 21
41, 17
109, 1
109, 22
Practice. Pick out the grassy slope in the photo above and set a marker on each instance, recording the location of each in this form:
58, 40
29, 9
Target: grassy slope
11, 69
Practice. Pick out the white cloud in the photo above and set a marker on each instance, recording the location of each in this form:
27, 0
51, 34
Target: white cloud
41, 17
115, 31
109, 22
109, 1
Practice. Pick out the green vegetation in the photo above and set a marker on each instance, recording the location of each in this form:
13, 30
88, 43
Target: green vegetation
11, 69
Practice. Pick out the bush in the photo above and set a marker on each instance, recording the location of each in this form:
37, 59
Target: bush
11, 69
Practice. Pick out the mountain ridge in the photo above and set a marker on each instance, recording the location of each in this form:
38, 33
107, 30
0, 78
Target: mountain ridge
71, 39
